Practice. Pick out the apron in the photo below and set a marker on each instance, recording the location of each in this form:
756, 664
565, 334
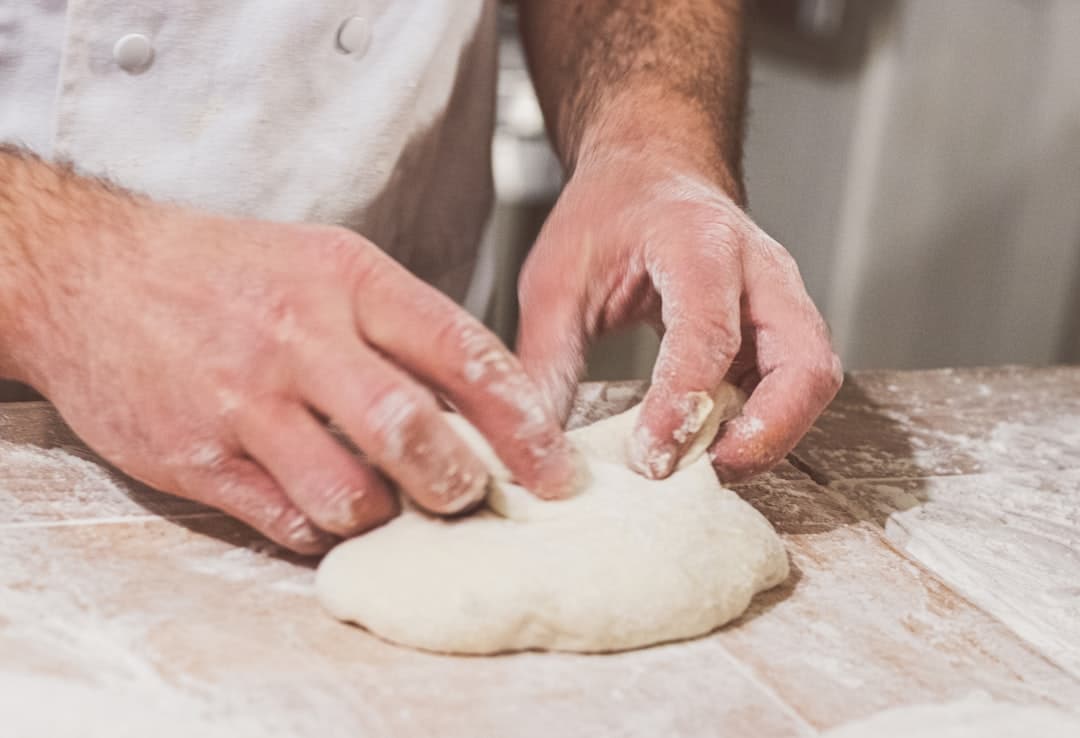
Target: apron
376, 115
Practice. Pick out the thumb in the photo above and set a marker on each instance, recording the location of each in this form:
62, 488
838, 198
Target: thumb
552, 340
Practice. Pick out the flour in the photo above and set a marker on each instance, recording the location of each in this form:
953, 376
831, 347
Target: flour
89, 666
50, 706
977, 716
76, 665
1008, 542
695, 409
248, 564
58, 708
750, 427
45, 486
991, 504
85, 668
389, 418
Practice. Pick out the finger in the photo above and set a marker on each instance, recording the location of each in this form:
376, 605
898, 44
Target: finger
774, 419
700, 311
800, 372
433, 339
396, 423
334, 489
239, 487
551, 341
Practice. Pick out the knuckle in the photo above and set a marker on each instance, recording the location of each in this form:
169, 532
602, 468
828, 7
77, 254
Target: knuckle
748, 448
277, 315
206, 458
827, 375
726, 234
778, 256
230, 400
705, 339
530, 284
340, 242
726, 340
349, 255
345, 506
835, 372
463, 332
397, 419
481, 352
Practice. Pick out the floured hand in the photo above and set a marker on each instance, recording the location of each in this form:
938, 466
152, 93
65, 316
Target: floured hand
641, 238
202, 355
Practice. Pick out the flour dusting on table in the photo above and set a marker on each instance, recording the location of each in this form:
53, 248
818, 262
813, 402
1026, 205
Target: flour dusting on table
976, 716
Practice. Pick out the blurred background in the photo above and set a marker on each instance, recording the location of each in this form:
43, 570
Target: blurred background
920, 159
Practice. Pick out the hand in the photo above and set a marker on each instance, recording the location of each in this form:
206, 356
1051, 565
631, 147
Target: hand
635, 238
201, 355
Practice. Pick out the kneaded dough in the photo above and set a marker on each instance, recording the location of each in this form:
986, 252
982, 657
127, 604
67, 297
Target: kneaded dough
627, 562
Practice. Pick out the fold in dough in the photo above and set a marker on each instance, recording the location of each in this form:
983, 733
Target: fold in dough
626, 563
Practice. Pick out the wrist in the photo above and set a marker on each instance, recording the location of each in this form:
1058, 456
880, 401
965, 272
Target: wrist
54, 228
660, 128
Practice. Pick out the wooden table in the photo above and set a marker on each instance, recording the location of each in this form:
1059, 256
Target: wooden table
933, 523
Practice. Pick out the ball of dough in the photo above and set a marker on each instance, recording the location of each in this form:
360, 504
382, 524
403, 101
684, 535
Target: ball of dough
626, 563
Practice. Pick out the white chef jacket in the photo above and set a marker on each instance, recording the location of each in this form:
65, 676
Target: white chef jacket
372, 114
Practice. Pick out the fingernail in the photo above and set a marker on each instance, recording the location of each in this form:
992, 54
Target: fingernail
302, 536
579, 475
650, 458
729, 475
362, 509
461, 489
345, 507
562, 471
695, 408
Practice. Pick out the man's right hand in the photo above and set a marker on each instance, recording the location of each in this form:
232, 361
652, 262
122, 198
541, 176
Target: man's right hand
201, 355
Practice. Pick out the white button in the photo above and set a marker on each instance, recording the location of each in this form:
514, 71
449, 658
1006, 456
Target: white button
354, 36
133, 53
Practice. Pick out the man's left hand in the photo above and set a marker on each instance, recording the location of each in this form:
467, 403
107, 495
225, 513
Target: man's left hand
646, 238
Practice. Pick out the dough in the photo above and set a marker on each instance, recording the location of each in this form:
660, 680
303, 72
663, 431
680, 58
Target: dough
626, 563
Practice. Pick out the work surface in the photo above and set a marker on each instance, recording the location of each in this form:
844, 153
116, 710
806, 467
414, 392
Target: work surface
932, 520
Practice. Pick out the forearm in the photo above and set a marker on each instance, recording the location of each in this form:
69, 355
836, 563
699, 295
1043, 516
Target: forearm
668, 76
52, 222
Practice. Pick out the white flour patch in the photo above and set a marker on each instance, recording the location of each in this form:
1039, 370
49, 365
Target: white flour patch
45, 485
1010, 543
389, 418
748, 426
40, 705
250, 565
977, 716
75, 665
994, 512
695, 408
493, 362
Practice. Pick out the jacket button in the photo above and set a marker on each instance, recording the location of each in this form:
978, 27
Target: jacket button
133, 53
354, 36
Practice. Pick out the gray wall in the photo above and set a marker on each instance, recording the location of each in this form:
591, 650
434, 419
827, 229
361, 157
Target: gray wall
931, 194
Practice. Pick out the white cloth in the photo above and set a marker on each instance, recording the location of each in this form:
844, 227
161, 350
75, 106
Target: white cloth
252, 107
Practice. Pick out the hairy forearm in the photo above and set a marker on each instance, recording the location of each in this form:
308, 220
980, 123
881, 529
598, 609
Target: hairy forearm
670, 75
51, 223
